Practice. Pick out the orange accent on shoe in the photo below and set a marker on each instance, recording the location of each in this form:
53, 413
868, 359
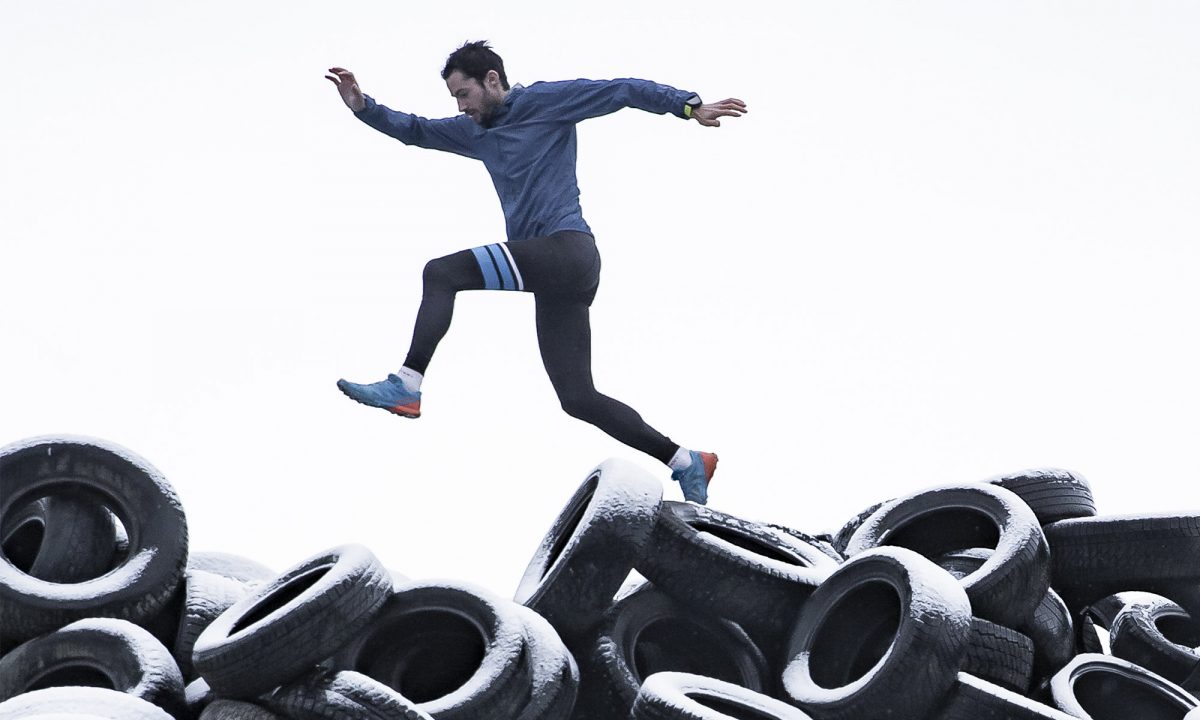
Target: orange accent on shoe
710, 465
411, 410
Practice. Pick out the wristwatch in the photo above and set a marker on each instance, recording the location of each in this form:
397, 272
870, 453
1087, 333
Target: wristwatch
690, 105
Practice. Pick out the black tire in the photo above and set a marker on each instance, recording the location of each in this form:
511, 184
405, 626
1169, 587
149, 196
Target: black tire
291, 623
1100, 687
1053, 634
1159, 635
1010, 583
976, 699
343, 695
648, 631
552, 670
999, 655
750, 573
885, 634
134, 491
451, 648
1052, 494
591, 547
684, 696
205, 597
83, 701
236, 710
98, 652
1098, 556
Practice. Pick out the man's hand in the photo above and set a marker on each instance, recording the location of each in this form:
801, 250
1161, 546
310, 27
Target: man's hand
708, 113
348, 88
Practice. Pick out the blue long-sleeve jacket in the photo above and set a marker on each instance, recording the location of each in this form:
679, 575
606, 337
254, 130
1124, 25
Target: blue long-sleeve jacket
529, 145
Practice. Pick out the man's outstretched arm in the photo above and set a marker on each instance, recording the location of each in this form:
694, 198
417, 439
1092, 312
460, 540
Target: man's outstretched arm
576, 100
448, 134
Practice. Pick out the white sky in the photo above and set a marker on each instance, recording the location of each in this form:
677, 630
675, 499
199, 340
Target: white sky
951, 239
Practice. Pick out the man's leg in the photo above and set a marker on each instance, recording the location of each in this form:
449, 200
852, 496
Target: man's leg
442, 279
565, 341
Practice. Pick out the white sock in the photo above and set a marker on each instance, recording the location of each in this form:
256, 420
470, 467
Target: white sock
412, 379
681, 460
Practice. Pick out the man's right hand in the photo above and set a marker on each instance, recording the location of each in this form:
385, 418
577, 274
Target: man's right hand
348, 88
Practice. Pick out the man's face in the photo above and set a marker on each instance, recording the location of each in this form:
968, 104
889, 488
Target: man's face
475, 98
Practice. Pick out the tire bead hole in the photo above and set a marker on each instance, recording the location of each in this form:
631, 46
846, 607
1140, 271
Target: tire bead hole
855, 635
280, 597
424, 655
750, 543
944, 531
678, 645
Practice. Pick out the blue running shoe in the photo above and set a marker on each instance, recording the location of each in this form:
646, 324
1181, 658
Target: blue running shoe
695, 478
389, 394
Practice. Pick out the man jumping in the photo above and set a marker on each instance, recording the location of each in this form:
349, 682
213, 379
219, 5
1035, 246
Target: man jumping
525, 137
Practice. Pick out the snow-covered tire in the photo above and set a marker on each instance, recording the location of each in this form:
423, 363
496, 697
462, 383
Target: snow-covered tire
974, 699
342, 695
1052, 494
198, 696
751, 573
1097, 556
205, 596
291, 623
999, 655
886, 633
553, 672
1053, 634
220, 709
134, 491
940, 520
591, 547
842, 537
83, 701
1095, 686
229, 565
101, 652
75, 537
453, 649
648, 631
685, 696
1159, 635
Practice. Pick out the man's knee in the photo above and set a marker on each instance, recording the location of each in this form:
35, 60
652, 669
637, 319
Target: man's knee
579, 404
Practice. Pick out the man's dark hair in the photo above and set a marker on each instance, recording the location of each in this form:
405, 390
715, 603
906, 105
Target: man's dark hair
474, 60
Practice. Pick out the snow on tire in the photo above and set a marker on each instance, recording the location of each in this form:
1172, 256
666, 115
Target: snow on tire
343, 695
103, 652
145, 579
974, 699
753, 574
936, 521
205, 597
452, 648
291, 623
236, 710
1052, 494
1099, 687
685, 696
591, 547
1159, 635
84, 701
648, 631
886, 633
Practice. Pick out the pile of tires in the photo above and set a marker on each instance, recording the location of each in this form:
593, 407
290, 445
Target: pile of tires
1007, 598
